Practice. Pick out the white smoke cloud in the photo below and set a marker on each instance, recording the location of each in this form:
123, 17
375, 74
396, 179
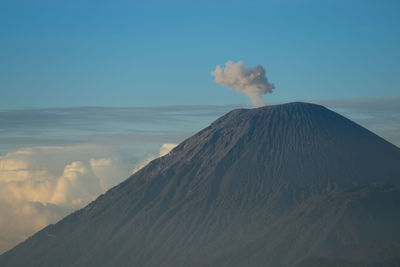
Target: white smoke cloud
251, 82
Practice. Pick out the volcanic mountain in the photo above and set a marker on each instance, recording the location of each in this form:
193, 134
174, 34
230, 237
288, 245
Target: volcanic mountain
285, 185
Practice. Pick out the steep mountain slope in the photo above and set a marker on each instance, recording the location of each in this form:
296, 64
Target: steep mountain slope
273, 186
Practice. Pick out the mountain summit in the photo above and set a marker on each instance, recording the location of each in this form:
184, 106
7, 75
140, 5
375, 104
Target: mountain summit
285, 185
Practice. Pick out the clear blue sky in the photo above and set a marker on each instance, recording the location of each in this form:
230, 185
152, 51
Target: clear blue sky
149, 53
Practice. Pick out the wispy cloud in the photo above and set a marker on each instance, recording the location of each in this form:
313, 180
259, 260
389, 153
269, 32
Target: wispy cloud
66, 126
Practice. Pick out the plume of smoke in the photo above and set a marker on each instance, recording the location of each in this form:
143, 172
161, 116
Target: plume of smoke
251, 82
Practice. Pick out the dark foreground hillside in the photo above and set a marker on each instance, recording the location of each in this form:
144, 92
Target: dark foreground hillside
284, 185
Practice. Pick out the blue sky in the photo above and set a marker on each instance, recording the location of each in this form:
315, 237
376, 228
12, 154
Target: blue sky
90, 91
149, 53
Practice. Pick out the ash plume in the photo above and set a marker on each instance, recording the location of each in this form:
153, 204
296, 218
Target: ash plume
250, 81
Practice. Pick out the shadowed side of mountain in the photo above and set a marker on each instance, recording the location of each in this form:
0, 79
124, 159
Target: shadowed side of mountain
367, 255
324, 228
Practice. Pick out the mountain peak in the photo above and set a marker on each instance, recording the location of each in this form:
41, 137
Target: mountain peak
289, 139
295, 109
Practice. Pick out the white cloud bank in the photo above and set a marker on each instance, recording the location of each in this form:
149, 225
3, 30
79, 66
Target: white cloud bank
251, 82
41, 185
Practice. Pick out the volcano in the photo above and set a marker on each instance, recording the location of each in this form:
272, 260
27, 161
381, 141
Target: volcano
286, 185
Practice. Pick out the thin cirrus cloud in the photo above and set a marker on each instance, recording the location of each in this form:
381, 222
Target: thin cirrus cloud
121, 126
